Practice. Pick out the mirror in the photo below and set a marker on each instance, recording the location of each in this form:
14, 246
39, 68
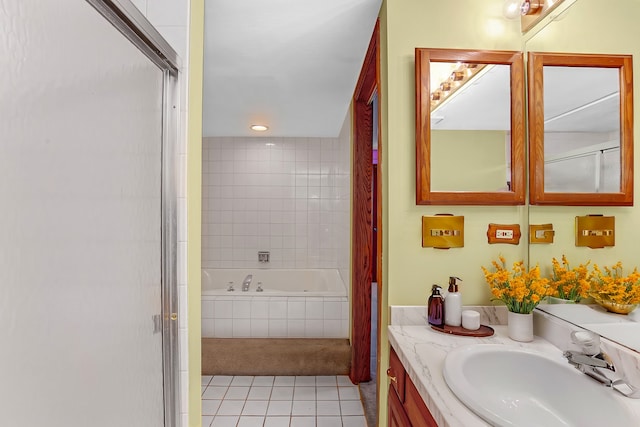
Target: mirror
610, 30
580, 129
624, 330
474, 101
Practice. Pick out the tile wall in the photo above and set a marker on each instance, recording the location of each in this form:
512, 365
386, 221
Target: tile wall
275, 317
288, 196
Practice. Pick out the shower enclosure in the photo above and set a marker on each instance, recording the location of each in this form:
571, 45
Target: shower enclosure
87, 223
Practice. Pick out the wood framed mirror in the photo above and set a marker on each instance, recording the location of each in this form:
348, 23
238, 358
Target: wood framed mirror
469, 127
580, 129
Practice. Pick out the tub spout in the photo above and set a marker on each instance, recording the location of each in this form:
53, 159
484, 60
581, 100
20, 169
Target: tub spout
247, 282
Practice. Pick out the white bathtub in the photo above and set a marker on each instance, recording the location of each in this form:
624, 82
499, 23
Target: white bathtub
310, 282
311, 303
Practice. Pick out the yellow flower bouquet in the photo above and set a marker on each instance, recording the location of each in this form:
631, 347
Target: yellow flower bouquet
520, 289
614, 291
568, 283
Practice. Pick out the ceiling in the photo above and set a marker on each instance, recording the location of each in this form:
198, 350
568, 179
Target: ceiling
290, 65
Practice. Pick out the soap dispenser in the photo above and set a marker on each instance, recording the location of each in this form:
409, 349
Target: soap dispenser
435, 308
453, 304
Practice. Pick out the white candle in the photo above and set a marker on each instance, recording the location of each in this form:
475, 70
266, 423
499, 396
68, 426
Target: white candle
470, 320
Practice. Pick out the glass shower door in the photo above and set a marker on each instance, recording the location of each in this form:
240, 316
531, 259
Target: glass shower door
80, 221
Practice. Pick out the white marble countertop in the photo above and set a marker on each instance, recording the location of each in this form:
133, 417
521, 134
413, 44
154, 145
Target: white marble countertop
422, 351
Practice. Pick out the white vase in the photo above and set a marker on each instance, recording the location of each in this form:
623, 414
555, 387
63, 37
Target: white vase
520, 326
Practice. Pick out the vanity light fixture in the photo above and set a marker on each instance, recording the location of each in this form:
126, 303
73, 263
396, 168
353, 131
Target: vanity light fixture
511, 9
461, 74
259, 128
531, 7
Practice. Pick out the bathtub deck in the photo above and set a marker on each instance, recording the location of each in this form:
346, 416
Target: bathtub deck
275, 356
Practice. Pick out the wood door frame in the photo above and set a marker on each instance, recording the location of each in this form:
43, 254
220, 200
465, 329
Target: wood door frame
361, 252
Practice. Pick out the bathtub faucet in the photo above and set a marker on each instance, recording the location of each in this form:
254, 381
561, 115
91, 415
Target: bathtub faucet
247, 282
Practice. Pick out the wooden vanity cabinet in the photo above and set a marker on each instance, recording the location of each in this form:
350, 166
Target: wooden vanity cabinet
397, 417
406, 407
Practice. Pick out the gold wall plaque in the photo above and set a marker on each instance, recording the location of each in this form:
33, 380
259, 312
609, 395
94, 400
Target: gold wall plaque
595, 231
443, 231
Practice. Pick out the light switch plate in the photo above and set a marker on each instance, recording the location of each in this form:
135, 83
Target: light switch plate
541, 233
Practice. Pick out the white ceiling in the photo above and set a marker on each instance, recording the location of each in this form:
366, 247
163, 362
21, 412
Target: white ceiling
291, 65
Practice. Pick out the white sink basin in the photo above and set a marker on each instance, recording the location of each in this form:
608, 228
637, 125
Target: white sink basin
509, 386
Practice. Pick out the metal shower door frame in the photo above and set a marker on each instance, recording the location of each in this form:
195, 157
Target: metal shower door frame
123, 15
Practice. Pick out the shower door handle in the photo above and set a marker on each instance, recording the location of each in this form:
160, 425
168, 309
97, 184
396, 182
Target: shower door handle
157, 322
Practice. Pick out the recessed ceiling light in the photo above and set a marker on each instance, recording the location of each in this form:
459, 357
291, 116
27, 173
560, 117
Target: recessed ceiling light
259, 128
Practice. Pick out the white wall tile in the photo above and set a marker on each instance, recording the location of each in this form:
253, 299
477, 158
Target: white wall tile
296, 329
278, 195
241, 308
182, 307
259, 308
332, 310
241, 328
168, 12
208, 328
223, 328
207, 307
259, 328
296, 308
176, 36
345, 310
277, 309
314, 308
223, 309
345, 328
184, 395
313, 328
277, 328
332, 328
279, 317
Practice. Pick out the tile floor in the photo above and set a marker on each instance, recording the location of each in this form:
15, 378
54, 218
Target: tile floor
281, 401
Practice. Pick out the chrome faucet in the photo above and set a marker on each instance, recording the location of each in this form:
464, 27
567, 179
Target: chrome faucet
595, 363
591, 360
247, 282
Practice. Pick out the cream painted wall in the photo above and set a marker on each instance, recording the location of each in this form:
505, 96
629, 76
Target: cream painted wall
194, 207
412, 269
471, 160
409, 269
591, 26
588, 26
